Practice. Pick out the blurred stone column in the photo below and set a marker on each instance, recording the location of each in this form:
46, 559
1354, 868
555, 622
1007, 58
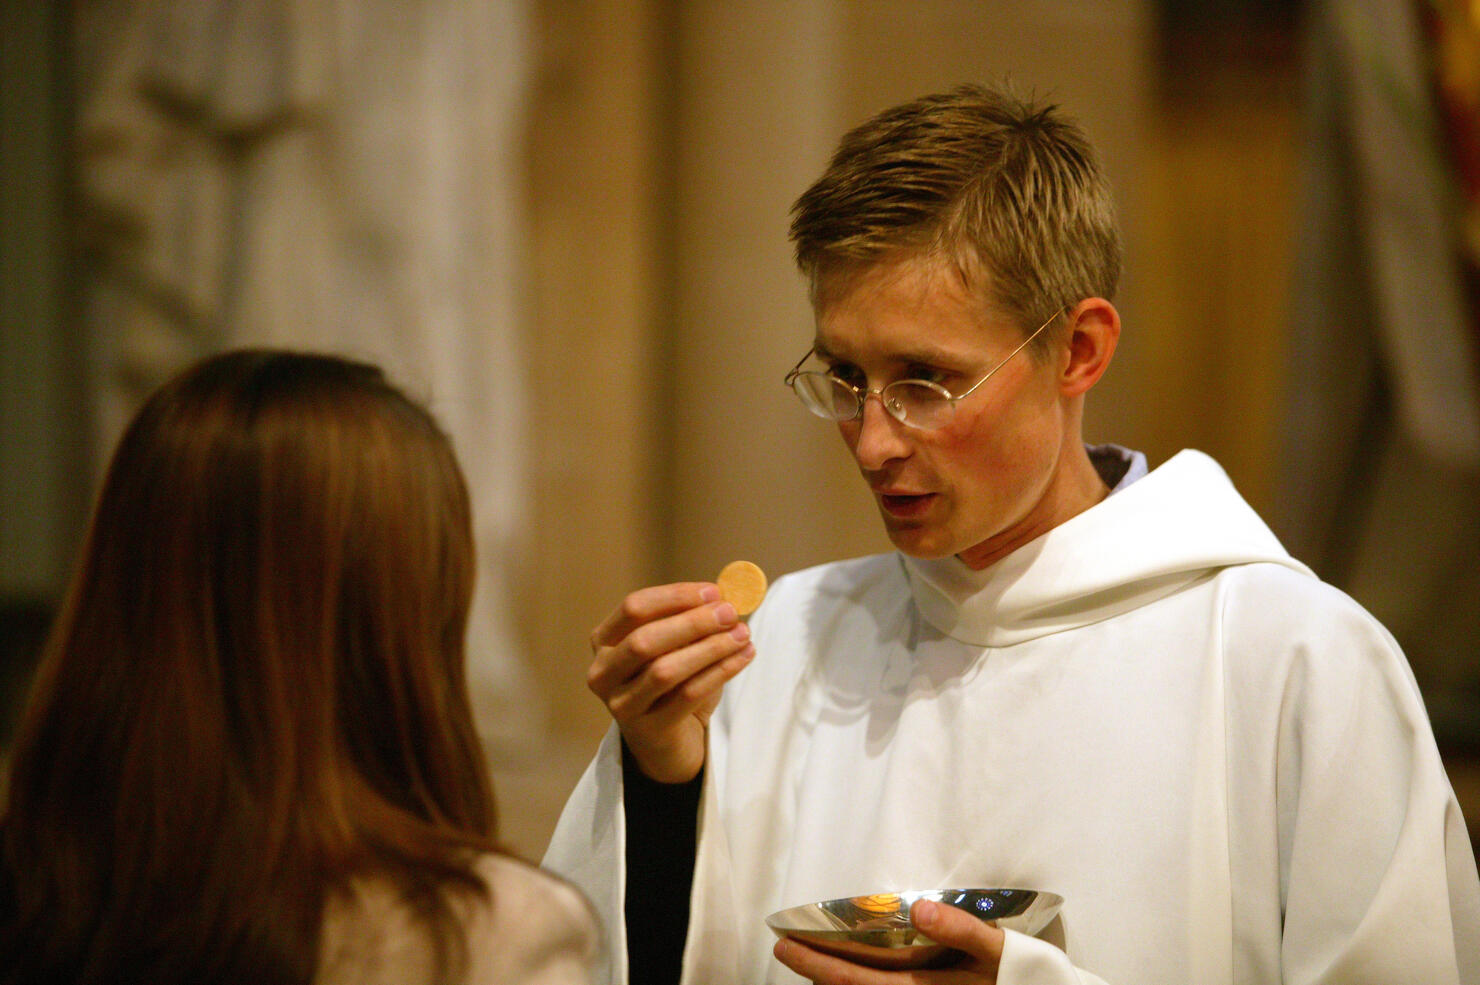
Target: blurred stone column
1381, 484
337, 175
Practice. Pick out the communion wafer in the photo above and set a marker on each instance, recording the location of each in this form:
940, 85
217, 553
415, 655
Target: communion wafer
878, 904
743, 585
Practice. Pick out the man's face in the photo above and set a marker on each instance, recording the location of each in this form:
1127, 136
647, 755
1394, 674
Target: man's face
990, 479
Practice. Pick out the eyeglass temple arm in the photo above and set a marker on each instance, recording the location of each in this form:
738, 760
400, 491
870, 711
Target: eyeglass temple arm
1006, 359
795, 370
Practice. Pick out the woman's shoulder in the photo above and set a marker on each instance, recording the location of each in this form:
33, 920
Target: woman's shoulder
523, 892
530, 928
535, 929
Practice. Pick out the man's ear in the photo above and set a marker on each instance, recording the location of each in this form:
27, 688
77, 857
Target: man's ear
1094, 329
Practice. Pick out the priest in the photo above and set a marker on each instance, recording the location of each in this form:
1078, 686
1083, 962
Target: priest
1073, 674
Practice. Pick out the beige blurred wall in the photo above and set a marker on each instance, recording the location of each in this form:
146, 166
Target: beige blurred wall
669, 142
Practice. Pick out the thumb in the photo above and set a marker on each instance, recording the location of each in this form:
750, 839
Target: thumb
954, 927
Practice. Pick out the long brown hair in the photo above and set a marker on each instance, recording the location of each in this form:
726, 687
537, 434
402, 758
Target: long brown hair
254, 692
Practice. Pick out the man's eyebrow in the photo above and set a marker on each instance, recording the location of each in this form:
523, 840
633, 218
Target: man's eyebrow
925, 355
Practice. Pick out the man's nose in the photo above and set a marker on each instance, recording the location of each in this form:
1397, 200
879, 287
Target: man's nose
880, 437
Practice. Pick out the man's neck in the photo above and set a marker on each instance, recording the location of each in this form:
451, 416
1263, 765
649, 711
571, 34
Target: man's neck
1076, 487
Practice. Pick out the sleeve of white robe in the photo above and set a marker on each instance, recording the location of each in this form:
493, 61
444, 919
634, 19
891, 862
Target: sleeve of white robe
1029, 960
588, 848
1369, 861
1377, 876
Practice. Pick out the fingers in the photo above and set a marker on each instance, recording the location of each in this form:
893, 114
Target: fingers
664, 654
824, 969
647, 604
699, 692
661, 660
693, 639
675, 684
956, 928
661, 653
981, 942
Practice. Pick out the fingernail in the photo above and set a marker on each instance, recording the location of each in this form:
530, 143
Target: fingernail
725, 614
740, 632
925, 912
709, 593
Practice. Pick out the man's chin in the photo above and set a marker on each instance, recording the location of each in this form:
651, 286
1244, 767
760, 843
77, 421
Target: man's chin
916, 542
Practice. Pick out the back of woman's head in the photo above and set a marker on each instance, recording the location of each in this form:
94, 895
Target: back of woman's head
254, 690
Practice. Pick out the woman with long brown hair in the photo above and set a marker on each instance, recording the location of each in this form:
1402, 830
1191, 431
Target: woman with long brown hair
248, 754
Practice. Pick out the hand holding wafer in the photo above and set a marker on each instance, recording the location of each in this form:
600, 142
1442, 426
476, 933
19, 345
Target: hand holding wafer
661, 660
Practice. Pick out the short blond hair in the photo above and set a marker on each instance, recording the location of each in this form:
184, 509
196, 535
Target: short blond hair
1008, 190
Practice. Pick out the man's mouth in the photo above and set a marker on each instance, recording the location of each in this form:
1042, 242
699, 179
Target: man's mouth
905, 506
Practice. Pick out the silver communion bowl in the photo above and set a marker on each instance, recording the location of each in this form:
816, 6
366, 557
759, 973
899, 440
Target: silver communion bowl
876, 930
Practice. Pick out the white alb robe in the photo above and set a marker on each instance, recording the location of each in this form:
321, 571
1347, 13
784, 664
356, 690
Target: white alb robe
1222, 763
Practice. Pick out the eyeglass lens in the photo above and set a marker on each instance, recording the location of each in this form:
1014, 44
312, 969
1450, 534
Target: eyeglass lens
916, 404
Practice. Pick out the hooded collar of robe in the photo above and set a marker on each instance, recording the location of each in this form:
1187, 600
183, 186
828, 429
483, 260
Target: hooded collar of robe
1141, 544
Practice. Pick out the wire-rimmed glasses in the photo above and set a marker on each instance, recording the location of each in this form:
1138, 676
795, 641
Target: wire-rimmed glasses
915, 403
